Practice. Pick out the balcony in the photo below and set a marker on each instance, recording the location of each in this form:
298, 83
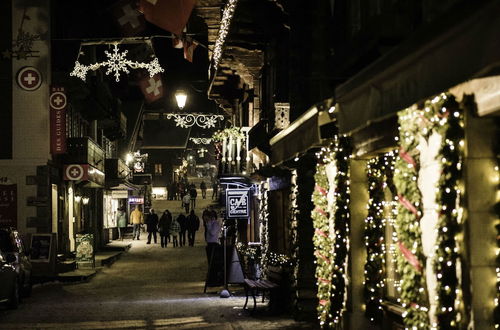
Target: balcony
84, 151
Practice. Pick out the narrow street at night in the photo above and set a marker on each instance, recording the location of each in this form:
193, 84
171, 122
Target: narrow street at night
147, 288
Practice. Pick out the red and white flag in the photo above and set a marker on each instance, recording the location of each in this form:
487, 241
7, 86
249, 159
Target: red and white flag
189, 47
177, 42
170, 15
130, 21
151, 87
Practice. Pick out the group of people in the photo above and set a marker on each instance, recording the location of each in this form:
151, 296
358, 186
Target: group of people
175, 230
170, 229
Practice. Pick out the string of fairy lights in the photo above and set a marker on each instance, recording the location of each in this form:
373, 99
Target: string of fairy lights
496, 182
411, 257
264, 219
332, 251
322, 240
380, 171
294, 225
227, 16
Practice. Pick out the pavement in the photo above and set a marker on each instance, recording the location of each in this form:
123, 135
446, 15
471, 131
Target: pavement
146, 287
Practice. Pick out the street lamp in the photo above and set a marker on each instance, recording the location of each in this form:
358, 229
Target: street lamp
180, 97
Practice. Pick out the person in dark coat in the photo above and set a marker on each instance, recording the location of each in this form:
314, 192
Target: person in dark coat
193, 193
192, 224
203, 188
181, 219
152, 225
164, 228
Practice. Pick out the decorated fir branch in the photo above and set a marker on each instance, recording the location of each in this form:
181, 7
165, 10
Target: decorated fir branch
410, 260
331, 248
234, 132
341, 216
379, 173
496, 311
323, 244
448, 119
264, 219
294, 211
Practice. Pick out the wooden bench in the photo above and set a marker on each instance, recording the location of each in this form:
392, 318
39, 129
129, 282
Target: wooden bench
270, 283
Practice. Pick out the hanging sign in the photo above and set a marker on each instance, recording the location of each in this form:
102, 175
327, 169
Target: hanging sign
237, 203
29, 78
58, 104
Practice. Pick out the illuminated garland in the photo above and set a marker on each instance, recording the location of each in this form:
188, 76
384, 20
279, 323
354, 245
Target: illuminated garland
496, 311
380, 173
411, 258
323, 243
235, 132
446, 112
294, 248
227, 16
441, 115
264, 219
332, 248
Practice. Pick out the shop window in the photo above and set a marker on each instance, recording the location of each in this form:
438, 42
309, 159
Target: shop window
158, 169
279, 226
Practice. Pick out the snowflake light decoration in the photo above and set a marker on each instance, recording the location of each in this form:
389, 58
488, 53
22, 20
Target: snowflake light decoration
116, 63
190, 119
200, 140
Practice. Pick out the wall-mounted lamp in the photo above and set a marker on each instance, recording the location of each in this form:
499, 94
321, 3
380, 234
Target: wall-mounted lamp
85, 200
180, 97
78, 198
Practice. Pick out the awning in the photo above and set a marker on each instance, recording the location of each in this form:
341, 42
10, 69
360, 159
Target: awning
308, 131
121, 184
419, 69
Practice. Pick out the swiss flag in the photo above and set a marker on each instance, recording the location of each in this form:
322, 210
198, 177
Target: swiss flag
177, 42
189, 47
170, 15
130, 21
151, 87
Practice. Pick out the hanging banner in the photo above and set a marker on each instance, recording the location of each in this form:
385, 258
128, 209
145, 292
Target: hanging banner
58, 104
8, 205
237, 203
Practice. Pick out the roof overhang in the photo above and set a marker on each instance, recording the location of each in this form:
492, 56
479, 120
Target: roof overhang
418, 70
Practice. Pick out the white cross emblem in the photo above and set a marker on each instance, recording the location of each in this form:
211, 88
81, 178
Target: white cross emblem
154, 86
29, 78
129, 16
74, 172
58, 100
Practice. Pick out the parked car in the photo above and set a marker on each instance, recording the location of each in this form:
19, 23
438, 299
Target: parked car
16, 256
9, 288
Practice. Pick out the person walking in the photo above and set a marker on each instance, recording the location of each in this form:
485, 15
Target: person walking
215, 190
136, 219
205, 217
193, 194
152, 225
186, 200
192, 224
213, 232
203, 188
164, 228
121, 221
181, 219
175, 228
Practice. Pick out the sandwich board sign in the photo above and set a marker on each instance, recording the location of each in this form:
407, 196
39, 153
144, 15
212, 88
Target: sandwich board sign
237, 203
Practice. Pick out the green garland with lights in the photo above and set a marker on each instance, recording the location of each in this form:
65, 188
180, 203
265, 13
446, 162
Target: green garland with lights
220, 135
379, 173
442, 115
264, 219
323, 244
496, 310
449, 123
294, 248
411, 258
332, 248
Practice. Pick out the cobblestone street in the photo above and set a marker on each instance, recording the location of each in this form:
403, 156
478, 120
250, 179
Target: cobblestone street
147, 288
